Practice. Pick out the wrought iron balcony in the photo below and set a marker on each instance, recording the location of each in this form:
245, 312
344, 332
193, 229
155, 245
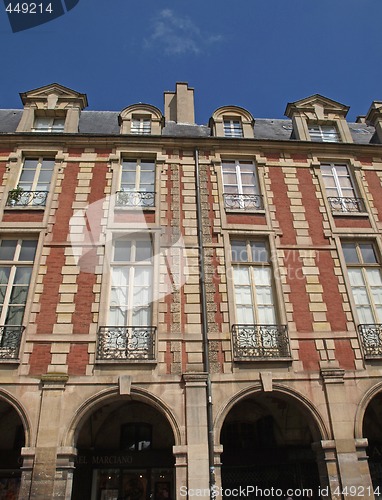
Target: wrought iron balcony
243, 201
252, 342
27, 199
126, 343
371, 338
10, 338
135, 199
346, 204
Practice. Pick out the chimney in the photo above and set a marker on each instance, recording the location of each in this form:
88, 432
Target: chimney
179, 105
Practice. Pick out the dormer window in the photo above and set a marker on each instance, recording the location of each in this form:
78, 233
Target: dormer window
48, 124
141, 125
233, 128
324, 133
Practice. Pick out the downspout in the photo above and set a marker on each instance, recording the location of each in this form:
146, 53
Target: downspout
206, 361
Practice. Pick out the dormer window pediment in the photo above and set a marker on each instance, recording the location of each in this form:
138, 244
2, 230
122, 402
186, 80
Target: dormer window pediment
319, 119
232, 121
52, 108
141, 119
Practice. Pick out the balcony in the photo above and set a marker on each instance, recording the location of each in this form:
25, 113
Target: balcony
126, 343
243, 201
371, 338
17, 198
144, 199
254, 342
346, 205
10, 338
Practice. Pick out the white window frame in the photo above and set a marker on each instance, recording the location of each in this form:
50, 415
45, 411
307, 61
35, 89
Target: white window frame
340, 187
233, 127
132, 264
367, 286
141, 125
323, 133
14, 264
240, 194
255, 289
52, 124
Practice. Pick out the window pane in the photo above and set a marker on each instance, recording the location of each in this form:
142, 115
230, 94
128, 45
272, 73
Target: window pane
4, 275
7, 249
122, 251
350, 253
143, 250
28, 250
368, 254
239, 251
259, 252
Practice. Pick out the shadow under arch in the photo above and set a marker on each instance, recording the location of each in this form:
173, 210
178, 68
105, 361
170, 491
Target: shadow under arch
319, 431
362, 407
21, 412
110, 395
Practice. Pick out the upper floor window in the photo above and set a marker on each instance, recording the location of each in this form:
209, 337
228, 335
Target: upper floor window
48, 124
137, 186
233, 127
33, 184
252, 272
131, 282
16, 264
340, 188
324, 133
241, 187
365, 278
141, 125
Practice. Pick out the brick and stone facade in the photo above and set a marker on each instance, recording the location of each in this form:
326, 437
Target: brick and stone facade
90, 409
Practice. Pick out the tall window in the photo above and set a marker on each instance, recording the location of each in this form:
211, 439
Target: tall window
233, 128
34, 181
137, 183
324, 133
16, 263
141, 125
339, 188
241, 187
48, 124
252, 273
131, 282
365, 278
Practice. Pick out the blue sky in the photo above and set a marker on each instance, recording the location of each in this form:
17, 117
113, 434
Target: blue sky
259, 54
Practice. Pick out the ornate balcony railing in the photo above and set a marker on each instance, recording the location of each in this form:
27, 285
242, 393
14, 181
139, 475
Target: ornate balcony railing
135, 199
126, 343
10, 338
243, 201
346, 204
371, 338
251, 342
27, 199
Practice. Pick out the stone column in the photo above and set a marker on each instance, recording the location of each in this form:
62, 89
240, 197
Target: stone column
197, 433
351, 470
44, 472
180, 454
26, 472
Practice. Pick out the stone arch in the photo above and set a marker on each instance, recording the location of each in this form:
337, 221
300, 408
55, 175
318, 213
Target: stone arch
110, 395
232, 111
140, 108
362, 407
22, 413
320, 431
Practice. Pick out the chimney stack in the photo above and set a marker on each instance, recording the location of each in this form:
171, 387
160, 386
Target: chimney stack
179, 105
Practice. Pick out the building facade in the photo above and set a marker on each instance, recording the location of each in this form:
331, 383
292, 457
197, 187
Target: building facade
189, 308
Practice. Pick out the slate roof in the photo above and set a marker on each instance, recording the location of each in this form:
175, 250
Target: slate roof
106, 122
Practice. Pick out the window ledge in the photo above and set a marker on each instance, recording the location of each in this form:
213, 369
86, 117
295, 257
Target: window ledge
15, 362
244, 211
284, 359
19, 207
112, 362
350, 214
134, 209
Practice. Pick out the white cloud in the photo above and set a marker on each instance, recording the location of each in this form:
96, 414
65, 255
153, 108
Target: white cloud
177, 35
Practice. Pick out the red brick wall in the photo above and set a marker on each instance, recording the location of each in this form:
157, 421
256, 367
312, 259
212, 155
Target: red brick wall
40, 359
298, 296
78, 358
282, 203
15, 215
309, 355
255, 219
374, 184
344, 354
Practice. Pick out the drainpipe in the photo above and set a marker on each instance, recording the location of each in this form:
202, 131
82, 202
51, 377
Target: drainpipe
206, 361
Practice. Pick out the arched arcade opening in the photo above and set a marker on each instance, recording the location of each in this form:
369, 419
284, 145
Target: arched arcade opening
372, 430
124, 453
267, 442
12, 439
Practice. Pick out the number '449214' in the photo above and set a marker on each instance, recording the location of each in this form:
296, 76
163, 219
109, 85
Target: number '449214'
29, 8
